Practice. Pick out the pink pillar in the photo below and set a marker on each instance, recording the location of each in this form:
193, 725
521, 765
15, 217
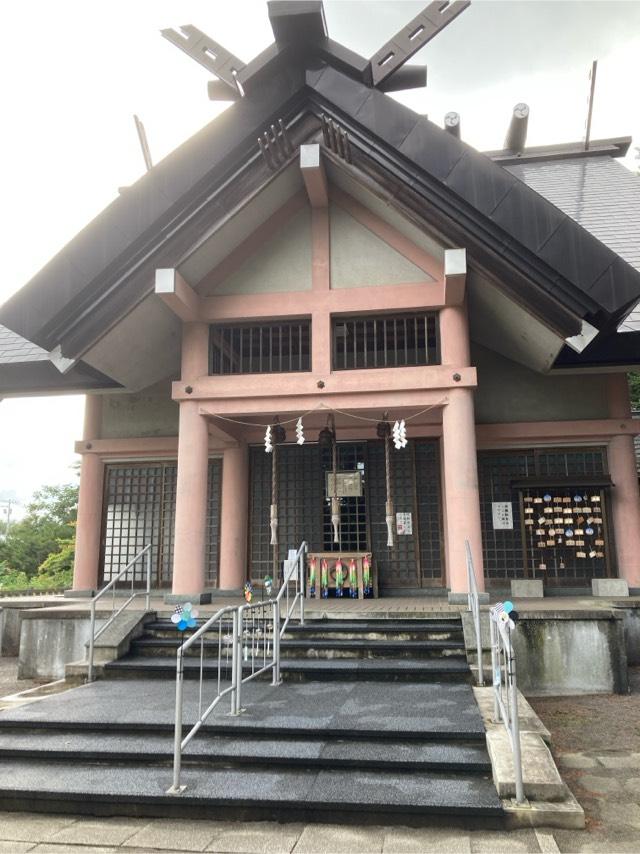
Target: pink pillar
89, 525
234, 517
454, 336
461, 516
462, 498
191, 502
625, 496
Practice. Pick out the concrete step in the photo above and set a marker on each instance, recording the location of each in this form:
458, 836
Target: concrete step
56, 745
391, 630
311, 648
285, 794
383, 630
383, 669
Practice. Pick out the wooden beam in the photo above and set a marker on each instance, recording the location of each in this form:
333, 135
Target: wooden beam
368, 300
177, 295
352, 386
314, 176
455, 276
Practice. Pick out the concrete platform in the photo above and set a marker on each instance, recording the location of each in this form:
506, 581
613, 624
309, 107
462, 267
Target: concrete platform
344, 708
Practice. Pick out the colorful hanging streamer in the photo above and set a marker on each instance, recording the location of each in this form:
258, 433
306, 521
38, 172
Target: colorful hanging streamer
324, 578
312, 576
339, 577
353, 579
366, 575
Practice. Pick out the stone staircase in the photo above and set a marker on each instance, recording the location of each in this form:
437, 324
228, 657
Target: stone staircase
417, 650
376, 723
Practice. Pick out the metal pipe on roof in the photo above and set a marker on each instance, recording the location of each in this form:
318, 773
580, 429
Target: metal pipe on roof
452, 124
517, 133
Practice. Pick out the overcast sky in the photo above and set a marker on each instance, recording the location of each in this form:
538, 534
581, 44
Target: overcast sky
73, 73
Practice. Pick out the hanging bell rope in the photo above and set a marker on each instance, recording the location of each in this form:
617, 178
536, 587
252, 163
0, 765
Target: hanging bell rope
383, 430
273, 515
389, 503
335, 501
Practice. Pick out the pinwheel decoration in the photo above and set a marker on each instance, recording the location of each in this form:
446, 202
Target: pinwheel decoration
268, 585
248, 591
184, 617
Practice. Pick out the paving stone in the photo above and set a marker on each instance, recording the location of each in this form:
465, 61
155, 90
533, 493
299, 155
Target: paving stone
339, 839
88, 832
51, 848
510, 841
425, 840
577, 842
176, 835
618, 815
31, 828
577, 760
546, 841
257, 838
14, 847
629, 760
632, 785
595, 783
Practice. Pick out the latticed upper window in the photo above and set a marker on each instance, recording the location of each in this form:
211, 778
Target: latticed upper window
260, 348
388, 341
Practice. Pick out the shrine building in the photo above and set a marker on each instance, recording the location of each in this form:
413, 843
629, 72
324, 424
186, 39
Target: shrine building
325, 318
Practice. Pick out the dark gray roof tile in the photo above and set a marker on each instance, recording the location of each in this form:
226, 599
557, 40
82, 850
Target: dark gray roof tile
14, 349
600, 194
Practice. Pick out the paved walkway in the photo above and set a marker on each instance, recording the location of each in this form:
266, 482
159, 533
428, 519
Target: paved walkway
351, 608
65, 834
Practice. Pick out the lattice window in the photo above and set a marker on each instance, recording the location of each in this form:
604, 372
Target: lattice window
506, 553
260, 348
353, 509
429, 501
390, 341
300, 495
397, 566
139, 508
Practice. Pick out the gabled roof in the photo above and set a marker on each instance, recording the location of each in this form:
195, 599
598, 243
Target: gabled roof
27, 368
545, 259
600, 194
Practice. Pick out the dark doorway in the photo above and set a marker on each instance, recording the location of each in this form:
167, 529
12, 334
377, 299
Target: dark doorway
304, 510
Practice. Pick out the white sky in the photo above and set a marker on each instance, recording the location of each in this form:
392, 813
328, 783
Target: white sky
73, 73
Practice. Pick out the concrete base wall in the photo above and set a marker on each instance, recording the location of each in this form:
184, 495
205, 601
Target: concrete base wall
47, 644
581, 655
10, 611
631, 619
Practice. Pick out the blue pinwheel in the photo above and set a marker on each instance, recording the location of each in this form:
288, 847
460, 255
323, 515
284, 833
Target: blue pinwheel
184, 617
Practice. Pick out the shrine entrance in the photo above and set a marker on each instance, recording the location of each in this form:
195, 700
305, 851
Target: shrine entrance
304, 508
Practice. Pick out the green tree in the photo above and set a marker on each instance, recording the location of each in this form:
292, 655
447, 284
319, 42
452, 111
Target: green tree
56, 570
634, 390
49, 519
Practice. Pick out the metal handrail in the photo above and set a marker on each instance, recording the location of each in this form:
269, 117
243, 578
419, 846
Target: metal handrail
94, 635
259, 641
293, 565
505, 691
179, 743
474, 607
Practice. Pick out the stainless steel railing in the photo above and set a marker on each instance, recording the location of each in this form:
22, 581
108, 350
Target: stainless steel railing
505, 690
225, 625
294, 575
94, 635
474, 607
251, 634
